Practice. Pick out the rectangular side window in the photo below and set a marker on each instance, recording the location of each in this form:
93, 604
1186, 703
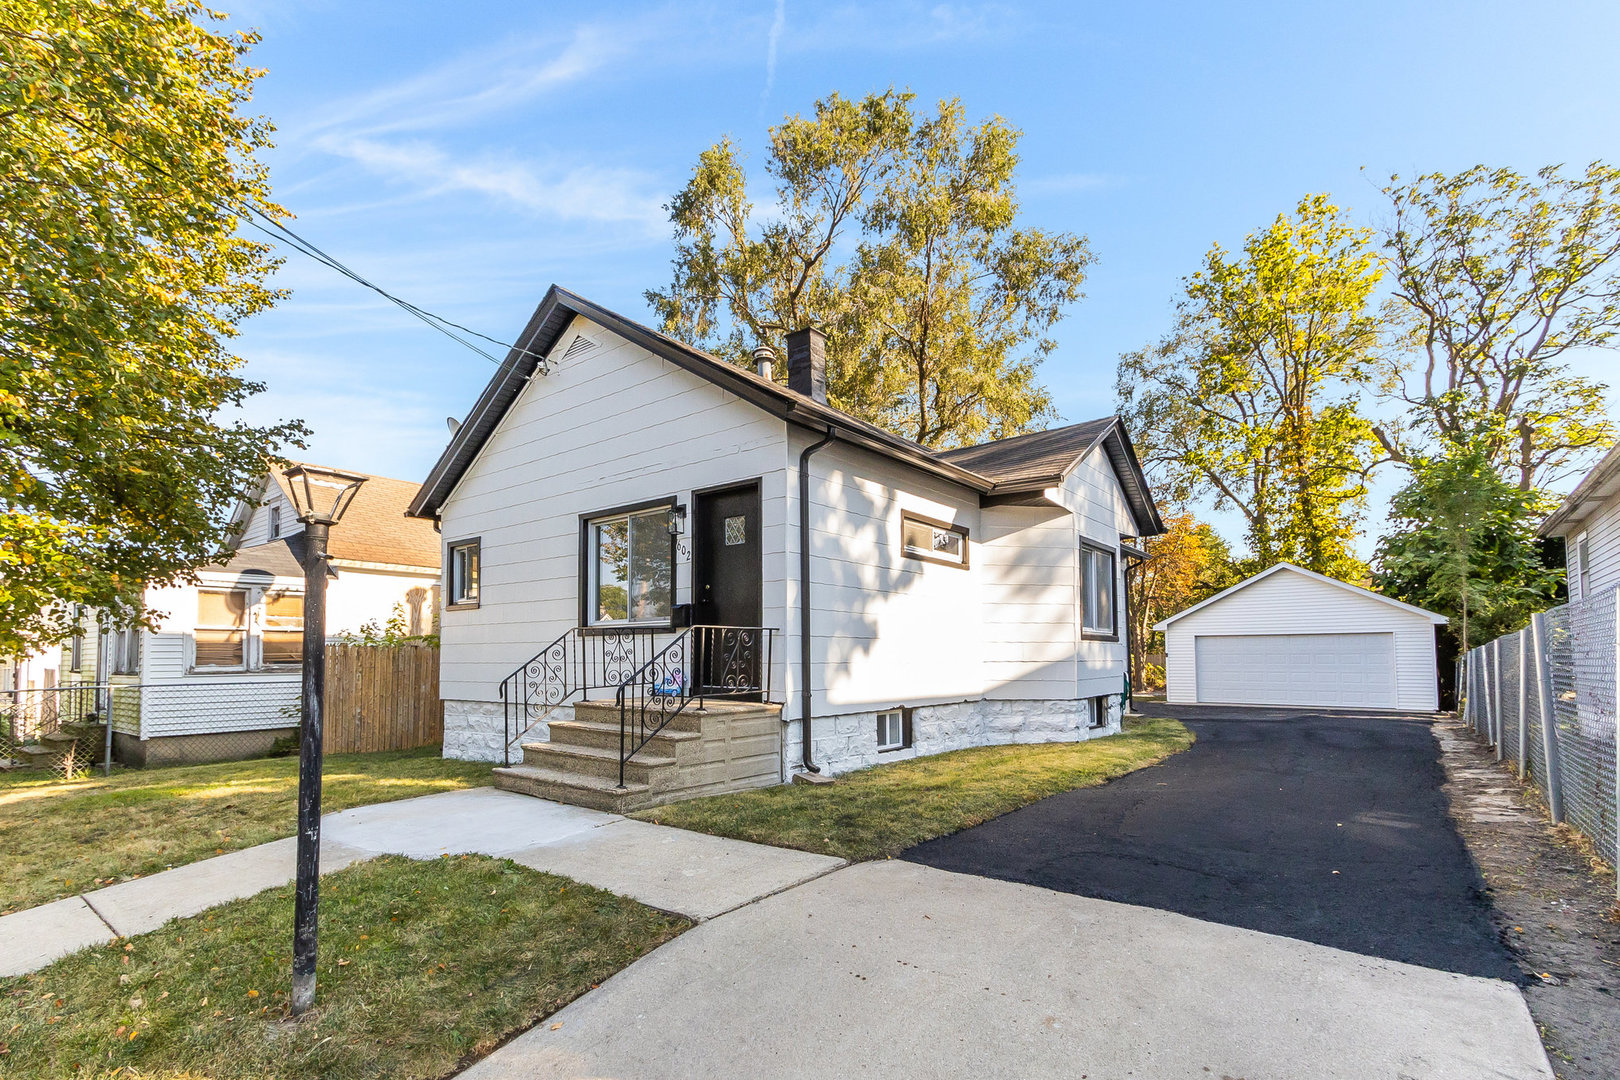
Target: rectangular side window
462, 571
275, 522
1097, 591
283, 633
221, 634
76, 646
629, 571
933, 541
1583, 557
893, 730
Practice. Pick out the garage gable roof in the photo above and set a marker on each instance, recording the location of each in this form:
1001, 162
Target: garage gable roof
1411, 609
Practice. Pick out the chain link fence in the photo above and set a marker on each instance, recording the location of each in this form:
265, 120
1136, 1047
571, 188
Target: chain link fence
1548, 699
59, 729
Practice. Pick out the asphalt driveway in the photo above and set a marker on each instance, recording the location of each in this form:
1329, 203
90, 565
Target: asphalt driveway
1326, 827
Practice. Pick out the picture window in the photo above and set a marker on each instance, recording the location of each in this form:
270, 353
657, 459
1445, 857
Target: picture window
933, 541
221, 634
630, 568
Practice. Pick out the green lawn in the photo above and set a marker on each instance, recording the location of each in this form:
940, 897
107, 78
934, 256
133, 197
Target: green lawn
882, 811
62, 838
424, 966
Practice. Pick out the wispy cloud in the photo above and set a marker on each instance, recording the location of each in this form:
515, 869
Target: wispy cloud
771, 41
577, 193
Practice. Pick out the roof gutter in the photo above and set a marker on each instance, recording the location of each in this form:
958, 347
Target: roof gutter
805, 693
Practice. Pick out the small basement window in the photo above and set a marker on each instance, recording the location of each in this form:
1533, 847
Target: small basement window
893, 730
462, 570
1099, 711
933, 541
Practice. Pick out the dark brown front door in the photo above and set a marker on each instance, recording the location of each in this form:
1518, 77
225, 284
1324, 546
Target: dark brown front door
726, 567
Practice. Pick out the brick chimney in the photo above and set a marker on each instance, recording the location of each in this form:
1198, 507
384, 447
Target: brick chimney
807, 363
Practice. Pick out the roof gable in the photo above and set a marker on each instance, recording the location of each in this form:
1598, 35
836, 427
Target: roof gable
1356, 590
1031, 463
1596, 490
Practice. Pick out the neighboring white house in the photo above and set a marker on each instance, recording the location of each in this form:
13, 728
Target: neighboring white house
220, 676
612, 484
1589, 523
1290, 636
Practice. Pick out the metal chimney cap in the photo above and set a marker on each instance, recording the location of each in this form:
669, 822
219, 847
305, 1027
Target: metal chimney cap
764, 360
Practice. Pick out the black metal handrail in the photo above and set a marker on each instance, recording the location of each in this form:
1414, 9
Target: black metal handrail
579, 661
701, 662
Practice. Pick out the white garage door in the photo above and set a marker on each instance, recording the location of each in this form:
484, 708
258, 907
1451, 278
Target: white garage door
1345, 670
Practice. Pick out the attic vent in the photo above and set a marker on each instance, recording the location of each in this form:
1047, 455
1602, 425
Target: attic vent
578, 347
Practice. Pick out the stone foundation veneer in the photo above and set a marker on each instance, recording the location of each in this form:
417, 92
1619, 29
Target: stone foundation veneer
849, 741
475, 730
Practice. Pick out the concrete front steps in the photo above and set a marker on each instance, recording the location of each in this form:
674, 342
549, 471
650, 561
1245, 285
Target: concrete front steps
53, 748
725, 746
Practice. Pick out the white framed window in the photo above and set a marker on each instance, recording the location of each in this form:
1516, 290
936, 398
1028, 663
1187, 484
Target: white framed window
629, 571
221, 633
282, 630
461, 568
126, 651
893, 732
933, 541
1583, 561
1097, 592
76, 644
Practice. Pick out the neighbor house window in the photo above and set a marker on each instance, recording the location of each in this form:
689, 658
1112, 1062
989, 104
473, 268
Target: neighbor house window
630, 567
283, 633
1584, 558
126, 651
221, 634
76, 645
892, 730
1097, 591
463, 573
275, 522
933, 541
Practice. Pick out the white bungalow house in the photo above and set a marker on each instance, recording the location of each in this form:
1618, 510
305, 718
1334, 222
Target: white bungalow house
220, 677
1588, 521
614, 491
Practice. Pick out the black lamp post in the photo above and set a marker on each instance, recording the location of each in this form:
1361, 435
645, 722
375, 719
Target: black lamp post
320, 497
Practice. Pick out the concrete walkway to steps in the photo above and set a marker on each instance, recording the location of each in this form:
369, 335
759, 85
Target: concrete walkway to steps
897, 969
688, 873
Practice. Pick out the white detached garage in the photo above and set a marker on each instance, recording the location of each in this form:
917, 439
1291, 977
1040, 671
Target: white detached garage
1290, 636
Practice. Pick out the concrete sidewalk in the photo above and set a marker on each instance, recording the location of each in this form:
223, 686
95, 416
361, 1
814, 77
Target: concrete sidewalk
897, 969
688, 873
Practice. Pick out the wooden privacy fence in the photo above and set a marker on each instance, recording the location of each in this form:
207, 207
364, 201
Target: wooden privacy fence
381, 697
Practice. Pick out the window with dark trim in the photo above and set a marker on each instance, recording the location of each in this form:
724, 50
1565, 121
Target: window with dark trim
1099, 711
1583, 558
1097, 597
76, 645
933, 541
627, 571
893, 729
461, 570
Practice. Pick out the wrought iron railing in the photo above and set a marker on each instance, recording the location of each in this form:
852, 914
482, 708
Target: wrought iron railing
702, 662
579, 661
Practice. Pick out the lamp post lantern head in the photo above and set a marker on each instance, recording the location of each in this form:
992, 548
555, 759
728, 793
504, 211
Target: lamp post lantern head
319, 495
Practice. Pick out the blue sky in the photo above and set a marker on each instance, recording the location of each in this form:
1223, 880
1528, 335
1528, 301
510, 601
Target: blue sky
467, 155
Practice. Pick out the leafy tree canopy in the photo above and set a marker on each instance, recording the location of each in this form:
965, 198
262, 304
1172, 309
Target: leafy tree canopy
1498, 277
897, 234
1463, 542
1187, 563
1253, 400
121, 277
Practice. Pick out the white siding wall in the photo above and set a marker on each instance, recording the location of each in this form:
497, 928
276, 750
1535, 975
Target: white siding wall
612, 427
257, 530
178, 701
1102, 515
1029, 601
1291, 603
1602, 535
887, 630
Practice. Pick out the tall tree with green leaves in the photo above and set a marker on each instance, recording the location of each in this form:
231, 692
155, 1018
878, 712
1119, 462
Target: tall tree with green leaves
126, 163
1463, 542
1253, 401
1498, 278
897, 233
